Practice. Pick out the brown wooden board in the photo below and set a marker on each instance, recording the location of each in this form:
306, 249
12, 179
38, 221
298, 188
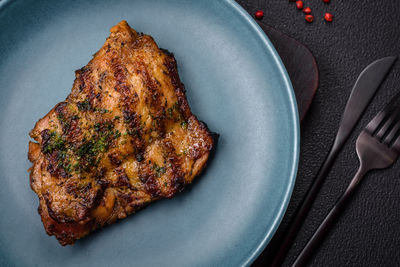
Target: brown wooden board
300, 65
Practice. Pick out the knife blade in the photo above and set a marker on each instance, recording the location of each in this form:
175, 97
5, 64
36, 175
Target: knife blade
364, 89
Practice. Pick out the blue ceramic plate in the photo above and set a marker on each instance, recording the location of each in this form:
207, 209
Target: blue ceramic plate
235, 82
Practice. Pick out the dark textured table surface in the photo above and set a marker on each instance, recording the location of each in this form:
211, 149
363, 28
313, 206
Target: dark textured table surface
368, 232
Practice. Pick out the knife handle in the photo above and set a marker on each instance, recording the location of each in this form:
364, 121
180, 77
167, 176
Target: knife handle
305, 207
329, 220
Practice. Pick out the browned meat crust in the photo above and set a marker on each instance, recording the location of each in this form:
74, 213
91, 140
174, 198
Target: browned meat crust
124, 137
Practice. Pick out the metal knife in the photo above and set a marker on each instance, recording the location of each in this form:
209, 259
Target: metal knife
364, 89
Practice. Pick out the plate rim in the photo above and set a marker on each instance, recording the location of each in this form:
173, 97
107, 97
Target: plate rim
295, 119
243, 14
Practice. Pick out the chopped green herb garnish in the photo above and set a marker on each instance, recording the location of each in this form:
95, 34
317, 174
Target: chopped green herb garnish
84, 105
55, 143
132, 132
117, 134
169, 112
96, 127
176, 105
159, 170
184, 124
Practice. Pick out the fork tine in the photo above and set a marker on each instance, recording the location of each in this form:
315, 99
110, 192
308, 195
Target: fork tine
396, 145
391, 119
393, 132
377, 120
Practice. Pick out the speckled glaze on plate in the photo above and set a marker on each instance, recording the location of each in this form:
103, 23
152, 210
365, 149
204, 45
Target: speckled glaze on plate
235, 82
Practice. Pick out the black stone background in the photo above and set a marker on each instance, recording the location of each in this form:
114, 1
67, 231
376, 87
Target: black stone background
368, 232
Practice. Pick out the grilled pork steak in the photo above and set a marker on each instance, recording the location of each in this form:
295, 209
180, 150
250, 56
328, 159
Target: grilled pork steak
124, 137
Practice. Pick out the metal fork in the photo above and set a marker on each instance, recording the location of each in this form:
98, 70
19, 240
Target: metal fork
378, 146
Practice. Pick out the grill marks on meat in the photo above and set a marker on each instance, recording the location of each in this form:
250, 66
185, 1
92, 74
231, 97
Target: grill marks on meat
123, 138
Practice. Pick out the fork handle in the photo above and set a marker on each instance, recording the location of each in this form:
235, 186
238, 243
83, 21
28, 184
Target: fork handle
329, 220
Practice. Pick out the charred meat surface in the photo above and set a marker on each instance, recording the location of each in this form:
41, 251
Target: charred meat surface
124, 137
